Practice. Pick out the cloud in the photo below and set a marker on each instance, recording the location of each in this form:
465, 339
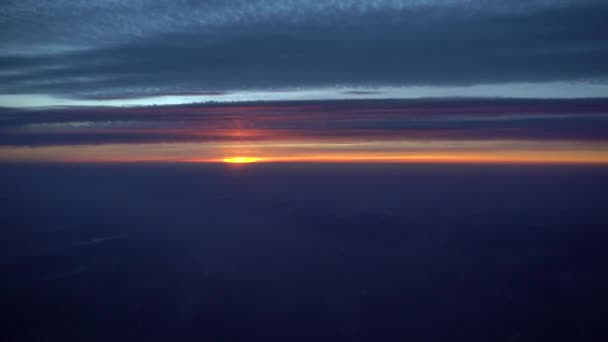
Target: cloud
312, 122
117, 49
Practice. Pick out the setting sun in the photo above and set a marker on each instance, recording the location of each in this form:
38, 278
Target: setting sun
239, 160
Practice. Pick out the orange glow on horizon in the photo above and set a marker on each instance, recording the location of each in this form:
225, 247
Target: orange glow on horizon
474, 158
351, 151
241, 160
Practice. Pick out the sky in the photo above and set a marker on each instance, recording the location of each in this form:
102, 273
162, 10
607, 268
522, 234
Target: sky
112, 52
303, 170
297, 80
388, 131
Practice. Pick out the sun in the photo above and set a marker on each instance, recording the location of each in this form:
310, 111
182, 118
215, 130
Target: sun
240, 160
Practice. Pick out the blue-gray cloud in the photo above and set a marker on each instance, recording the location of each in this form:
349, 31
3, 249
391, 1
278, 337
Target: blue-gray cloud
123, 48
567, 120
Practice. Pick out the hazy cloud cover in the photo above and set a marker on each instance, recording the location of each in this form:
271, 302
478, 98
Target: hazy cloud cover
83, 49
312, 121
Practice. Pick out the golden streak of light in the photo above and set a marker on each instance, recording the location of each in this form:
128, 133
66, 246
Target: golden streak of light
241, 160
508, 157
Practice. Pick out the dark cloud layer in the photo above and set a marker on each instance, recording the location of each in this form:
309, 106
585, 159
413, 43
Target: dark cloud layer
117, 48
582, 120
308, 253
